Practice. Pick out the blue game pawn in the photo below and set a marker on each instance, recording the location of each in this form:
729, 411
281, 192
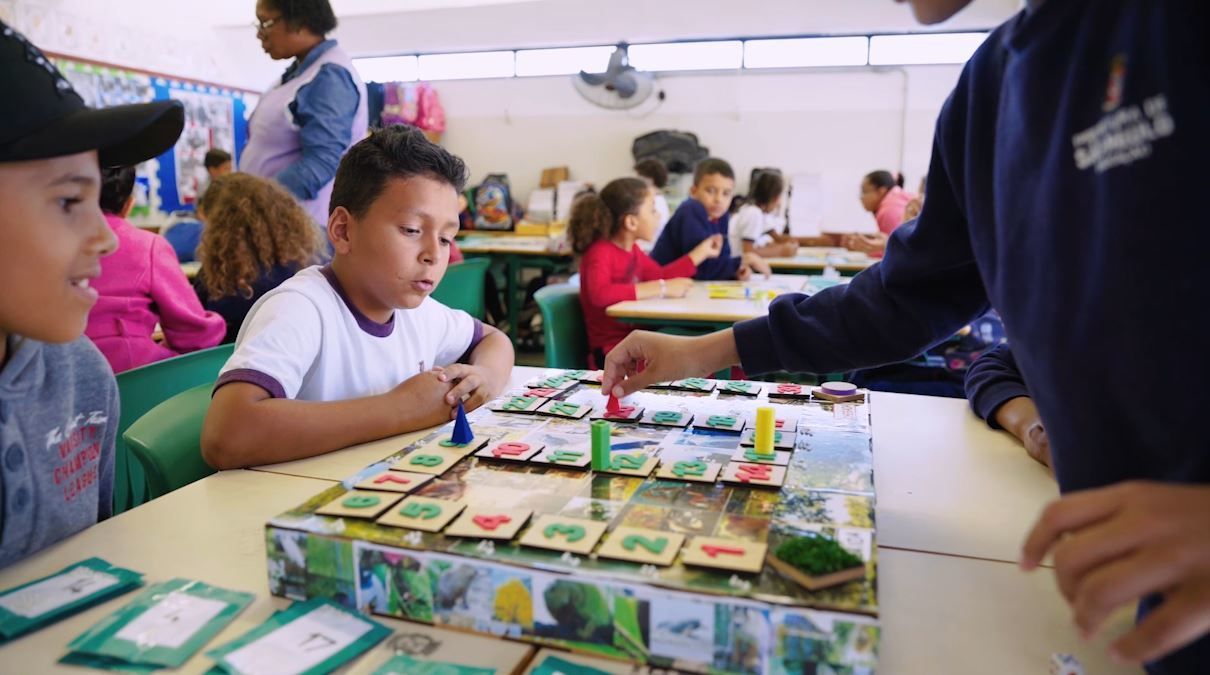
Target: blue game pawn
462, 428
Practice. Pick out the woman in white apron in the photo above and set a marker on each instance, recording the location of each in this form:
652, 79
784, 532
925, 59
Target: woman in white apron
304, 125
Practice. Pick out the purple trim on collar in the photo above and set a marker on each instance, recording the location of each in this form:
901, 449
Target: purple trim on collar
476, 338
367, 325
262, 380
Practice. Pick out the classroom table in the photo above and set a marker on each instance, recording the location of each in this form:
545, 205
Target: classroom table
939, 612
816, 259
698, 310
517, 253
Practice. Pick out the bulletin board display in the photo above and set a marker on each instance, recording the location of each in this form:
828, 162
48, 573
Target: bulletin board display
215, 117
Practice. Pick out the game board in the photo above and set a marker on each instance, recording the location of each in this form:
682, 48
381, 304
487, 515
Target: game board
658, 561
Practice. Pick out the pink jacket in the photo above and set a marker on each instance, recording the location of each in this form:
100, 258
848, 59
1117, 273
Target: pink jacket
142, 284
890, 209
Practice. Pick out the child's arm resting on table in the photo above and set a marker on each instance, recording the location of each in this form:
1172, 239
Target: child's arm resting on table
483, 376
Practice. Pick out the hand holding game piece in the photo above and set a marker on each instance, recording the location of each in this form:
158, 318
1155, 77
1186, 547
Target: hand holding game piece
1117, 544
474, 385
646, 358
612, 404
710, 247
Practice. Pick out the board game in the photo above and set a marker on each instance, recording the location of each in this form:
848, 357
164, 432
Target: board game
655, 549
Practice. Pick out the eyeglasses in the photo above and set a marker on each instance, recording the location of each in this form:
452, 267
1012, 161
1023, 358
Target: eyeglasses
264, 26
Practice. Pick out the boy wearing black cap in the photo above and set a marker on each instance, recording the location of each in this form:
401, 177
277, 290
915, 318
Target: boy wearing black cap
58, 398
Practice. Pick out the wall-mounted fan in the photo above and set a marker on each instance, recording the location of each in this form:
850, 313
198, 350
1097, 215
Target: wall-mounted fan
620, 87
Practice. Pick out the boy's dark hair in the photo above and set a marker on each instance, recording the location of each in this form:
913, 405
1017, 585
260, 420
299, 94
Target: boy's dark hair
884, 179
314, 15
216, 157
654, 170
711, 166
767, 188
117, 184
596, 217
396, 151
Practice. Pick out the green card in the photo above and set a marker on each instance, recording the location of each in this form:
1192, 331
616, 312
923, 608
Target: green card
75, 588
403, 664
554, 665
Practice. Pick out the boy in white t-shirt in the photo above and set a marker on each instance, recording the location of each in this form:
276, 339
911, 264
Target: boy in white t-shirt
756, 227
357, 350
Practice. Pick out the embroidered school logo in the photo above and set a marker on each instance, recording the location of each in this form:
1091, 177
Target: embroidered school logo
1117, 77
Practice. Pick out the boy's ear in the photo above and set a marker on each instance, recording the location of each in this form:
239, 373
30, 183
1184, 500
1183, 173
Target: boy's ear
693, 190
338, 229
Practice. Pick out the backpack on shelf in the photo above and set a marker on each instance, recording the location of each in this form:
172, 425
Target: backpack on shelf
493, 204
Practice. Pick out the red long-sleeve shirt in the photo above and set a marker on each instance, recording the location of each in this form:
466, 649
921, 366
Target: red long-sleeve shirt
608, 275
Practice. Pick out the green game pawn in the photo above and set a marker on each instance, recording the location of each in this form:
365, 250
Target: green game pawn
600, 445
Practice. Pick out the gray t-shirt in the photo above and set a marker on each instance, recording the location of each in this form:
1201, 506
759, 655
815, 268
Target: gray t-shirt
58, 419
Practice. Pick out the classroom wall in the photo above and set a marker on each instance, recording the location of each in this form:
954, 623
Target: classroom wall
838, 124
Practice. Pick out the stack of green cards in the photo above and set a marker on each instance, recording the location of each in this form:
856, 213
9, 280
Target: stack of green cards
402, 664
40, 603
554, 665
162, 627
311, 637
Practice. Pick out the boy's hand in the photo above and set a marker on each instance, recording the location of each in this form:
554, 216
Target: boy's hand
743, 273
757, 263
710, 247
473, 385
645, 358
787, 249
422, 391
1037, 444
1117, 544
677, 288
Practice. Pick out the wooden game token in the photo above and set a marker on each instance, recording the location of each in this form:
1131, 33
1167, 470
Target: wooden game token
782, 440
722, 422
435, 461
624, 413
789, 390
573, 459
510, 451
588, 376
556, 382
838, 392
359, 504
739, 388
560, 533
518, 404
394, 481
631, 464
641, 545
544, 392
565, 409
666, 418
725, 554
422, 513
754, 475
777, 457
696, 384
691, 470
489, 523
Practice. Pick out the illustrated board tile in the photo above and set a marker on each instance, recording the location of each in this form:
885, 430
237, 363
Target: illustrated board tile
436, 461
691, 470
394, 481
778, 457
422, 513
725, 554
565, 409
510, 451
560, 533
359, 504
632, 464
782, 440
572, 459
489, 523
666, 418
641, 545
720, 422
754, 475
517, 404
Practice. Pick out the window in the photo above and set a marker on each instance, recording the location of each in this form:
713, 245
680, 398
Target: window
806, 52
533, 62
387, 68
923, 48
466, 66
722, 55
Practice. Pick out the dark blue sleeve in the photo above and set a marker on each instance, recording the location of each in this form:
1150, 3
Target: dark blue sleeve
668, 242
715, 269
323, 109
926, 287
993, 380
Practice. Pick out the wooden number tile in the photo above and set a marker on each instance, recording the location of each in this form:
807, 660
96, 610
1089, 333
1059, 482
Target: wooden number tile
436, 461
754, 475
698, 384
359, 504
692, 470
790, 391
556, 382
394, 481
821, 395
632, 464
777, 457
572, 459
725, 422
444, 444
783, 440
422, 513
559, 533
624, 413
573, 411
725, 554
641, 545
739, 388
510, 451
666, 418
518, 404
489, 523
544, 392
588, 376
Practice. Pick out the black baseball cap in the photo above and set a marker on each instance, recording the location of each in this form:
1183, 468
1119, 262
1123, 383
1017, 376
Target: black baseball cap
41, 116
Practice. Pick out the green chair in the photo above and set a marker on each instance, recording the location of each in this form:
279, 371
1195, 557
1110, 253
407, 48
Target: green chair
140, 390
462, 286
566, 343
167, 441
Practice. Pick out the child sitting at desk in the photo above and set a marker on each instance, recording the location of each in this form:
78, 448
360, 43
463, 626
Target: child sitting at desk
603, 229
756, 227
702, 216
882, 194
357, 350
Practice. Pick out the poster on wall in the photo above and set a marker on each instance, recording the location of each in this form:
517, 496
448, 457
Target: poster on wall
209, 123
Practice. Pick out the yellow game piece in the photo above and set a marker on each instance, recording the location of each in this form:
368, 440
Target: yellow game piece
764, 431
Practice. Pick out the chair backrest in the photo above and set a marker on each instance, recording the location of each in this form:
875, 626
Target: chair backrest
563, 332
462, 286
167, 441
140, 390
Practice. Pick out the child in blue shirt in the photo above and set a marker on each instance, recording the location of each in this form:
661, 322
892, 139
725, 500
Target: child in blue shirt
58, 397
702, 216
1069, 135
